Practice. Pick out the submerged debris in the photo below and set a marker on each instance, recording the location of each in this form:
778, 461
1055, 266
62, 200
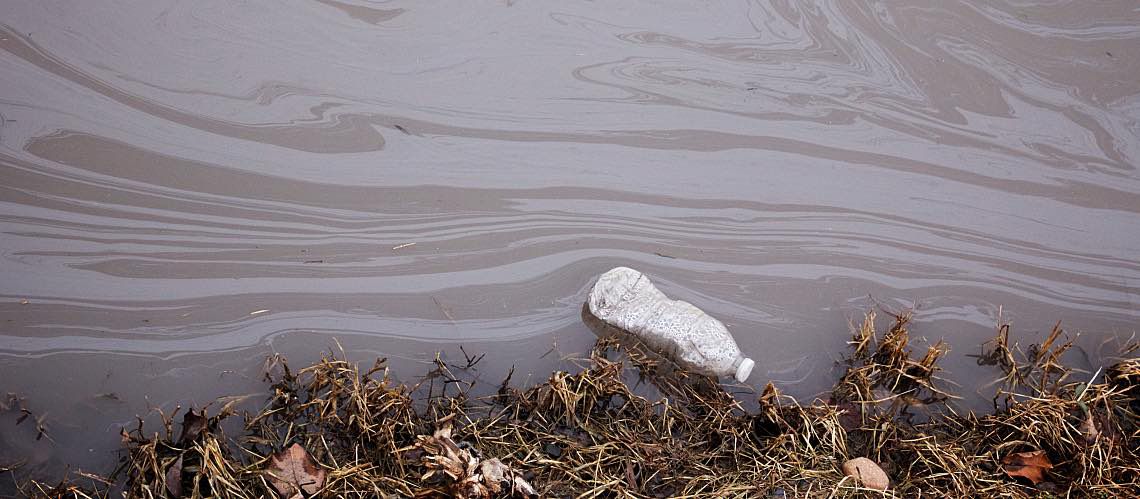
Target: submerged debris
353, 433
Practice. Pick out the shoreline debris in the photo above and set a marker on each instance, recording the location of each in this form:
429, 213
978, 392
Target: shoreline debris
627, 424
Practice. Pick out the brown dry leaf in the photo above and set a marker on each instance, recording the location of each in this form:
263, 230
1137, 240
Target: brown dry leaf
192, 426
494, 471
522, 487
469, 477
293, 470
174, 478
1031, 465
443, 456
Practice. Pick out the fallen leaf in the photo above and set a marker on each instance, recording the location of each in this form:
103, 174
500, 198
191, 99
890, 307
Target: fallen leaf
523, 487
293, 471
494, 471
193, 424
174, 478
465, 475
444, 456
1030, 465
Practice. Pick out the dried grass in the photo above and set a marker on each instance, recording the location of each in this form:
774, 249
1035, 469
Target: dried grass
591, 434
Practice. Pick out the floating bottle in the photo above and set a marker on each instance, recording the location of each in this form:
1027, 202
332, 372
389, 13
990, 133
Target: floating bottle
625, 298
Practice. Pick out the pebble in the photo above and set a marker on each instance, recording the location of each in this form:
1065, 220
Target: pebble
869, 474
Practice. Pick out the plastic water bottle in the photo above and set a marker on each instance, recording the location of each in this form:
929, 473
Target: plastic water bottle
625, 298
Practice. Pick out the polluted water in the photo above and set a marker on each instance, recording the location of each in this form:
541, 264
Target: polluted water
188, 189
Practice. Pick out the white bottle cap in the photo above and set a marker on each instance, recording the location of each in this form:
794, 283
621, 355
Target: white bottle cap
744, 370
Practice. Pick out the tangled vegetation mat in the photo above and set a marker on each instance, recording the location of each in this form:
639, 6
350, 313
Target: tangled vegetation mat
334, 430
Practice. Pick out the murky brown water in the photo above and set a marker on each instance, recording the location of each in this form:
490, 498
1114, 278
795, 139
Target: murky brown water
189, 186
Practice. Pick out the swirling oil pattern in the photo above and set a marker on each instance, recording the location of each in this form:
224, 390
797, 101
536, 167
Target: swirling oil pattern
188, 187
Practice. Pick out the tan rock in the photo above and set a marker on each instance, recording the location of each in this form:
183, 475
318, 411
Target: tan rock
869, 474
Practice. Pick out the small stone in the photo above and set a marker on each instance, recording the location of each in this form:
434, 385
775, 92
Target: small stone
869, 474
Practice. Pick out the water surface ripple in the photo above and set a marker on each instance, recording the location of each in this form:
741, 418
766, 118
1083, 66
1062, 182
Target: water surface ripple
191, 185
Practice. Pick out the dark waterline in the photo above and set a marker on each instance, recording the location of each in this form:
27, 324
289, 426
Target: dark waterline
188, 187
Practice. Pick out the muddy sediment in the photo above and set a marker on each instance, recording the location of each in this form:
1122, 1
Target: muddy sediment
334, 429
